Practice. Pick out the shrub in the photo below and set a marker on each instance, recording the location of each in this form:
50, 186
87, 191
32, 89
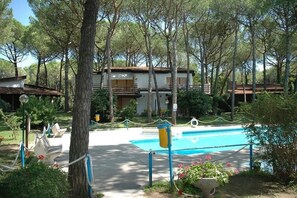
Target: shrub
36, 180
5, 106
204, 169
100, 103
40, 109
129, 111
12, 122
277, 133
194, 103
189, 175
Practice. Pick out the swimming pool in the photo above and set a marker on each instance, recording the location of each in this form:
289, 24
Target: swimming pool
195, 142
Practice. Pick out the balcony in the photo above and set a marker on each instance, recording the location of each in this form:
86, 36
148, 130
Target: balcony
193, 87
120, 90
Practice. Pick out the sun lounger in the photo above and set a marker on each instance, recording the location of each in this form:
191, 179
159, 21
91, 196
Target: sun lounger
57, 131
45, 151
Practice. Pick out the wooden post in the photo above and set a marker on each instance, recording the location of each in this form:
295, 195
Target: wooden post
28, 124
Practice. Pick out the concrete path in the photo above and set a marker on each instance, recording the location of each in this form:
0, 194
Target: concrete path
121, 169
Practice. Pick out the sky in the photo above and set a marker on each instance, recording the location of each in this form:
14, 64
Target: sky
22, 12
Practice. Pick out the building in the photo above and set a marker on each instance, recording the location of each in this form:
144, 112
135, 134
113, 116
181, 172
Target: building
132, 83
11, 88
245, 92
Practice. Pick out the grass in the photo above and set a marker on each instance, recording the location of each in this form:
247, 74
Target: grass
9, 137
64, 120
246, 184
9, 145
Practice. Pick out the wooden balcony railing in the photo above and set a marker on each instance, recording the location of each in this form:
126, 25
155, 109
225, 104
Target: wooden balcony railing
124, 90
131, 90
191, 87
136, 90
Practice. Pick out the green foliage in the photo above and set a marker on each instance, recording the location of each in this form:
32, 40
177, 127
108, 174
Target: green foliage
40, 109
129, 111
100, 100
203, 169
12, 122
100, 103
5, 106
277, 133
36, 180
218, 101
194, 103
5, 21
6, 70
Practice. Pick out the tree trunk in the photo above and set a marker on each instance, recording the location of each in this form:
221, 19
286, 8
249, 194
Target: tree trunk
169, 59
201, 64
295, 84
252, 29
157, 92
216, 78
66, 88
224, 81
288, 60
109, 82
214, 89
186, 40
174, 74
243, 82
15, 63
45, 74
279, 65
205, 70
38, 71
233, 71
16, 69
264, 70
111, 28
150, 64
82, 102
61, 69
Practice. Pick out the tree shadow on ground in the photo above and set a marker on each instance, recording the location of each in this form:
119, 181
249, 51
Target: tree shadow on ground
253, 185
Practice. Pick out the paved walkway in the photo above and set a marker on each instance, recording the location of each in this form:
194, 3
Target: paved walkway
121, 169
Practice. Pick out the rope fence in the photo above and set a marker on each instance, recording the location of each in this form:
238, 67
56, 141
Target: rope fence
129, 123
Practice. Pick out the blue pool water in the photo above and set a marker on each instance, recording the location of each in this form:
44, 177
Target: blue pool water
194, 142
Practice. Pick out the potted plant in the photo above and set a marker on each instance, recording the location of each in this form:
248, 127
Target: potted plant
205, 174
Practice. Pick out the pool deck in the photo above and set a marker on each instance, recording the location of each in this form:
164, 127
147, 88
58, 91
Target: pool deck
121, 169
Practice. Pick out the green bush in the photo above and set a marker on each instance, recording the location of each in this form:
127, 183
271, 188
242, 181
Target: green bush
40, 109
12, 122
100, 104
274, 129
129, 111
36, 180
193, 103
5, 106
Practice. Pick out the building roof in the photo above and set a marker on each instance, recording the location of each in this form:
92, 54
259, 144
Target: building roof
146, 69
25, 88
29, 90
248, 89
12, 78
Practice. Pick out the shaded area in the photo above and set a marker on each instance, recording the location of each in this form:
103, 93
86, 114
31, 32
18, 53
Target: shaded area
121, 169
248, 185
